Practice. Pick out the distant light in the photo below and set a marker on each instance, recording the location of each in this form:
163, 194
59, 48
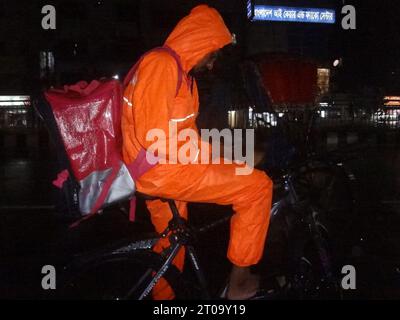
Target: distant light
336, 63
24, 111
324, 104
14, 103
323, 114
392, 98
392, 101
251, 114
116, 77
234, 40
15, 98
392, 104
280, 115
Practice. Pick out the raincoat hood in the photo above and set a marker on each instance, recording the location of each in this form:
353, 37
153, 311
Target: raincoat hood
198, 34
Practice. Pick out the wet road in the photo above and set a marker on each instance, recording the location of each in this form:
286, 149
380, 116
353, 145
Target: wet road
32, 235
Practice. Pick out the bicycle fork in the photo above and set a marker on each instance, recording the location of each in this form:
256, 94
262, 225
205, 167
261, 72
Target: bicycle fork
321, 245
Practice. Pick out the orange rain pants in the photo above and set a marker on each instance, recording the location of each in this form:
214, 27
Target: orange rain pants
151, 102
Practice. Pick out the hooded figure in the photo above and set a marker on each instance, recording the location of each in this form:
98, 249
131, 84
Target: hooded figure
152, 102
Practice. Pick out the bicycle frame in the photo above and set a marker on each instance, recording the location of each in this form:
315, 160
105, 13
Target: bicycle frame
180, 235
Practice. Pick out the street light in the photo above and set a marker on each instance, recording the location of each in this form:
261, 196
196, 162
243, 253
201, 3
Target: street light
337, 63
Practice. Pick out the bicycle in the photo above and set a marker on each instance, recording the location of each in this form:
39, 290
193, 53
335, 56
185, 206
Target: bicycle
306, 272
310, 264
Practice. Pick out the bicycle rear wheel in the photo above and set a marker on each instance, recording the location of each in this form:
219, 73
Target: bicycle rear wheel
117, 277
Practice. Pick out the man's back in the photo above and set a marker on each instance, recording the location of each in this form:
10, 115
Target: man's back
151, 101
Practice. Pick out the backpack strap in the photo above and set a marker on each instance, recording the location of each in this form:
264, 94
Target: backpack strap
179, 65
167, 49
103, 194
107, 186
137, 168
61, 178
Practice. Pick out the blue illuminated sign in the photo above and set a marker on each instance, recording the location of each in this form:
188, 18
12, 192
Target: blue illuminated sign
292, 14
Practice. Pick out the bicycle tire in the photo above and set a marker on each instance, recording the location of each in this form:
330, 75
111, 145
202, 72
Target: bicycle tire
308, 276
112, 277
335, 193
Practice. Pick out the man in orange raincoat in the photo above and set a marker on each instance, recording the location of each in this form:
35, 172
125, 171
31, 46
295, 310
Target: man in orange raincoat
151, 101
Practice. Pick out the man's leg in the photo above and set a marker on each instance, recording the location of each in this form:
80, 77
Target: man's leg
160, 216
250, 196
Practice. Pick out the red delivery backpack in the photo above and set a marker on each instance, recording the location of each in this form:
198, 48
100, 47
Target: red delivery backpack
88, 119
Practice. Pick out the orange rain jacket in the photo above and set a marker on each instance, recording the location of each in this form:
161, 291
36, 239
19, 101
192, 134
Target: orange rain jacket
150, 102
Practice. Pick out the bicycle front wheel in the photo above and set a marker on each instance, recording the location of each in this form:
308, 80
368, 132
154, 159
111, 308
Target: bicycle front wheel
315, 274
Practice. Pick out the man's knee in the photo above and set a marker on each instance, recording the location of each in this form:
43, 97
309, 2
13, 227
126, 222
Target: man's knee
262, 181
265, 190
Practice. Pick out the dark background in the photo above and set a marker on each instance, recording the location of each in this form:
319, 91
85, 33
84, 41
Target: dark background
110, 35
96, 38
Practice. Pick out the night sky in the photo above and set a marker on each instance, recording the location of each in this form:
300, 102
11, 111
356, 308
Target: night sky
370, 53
